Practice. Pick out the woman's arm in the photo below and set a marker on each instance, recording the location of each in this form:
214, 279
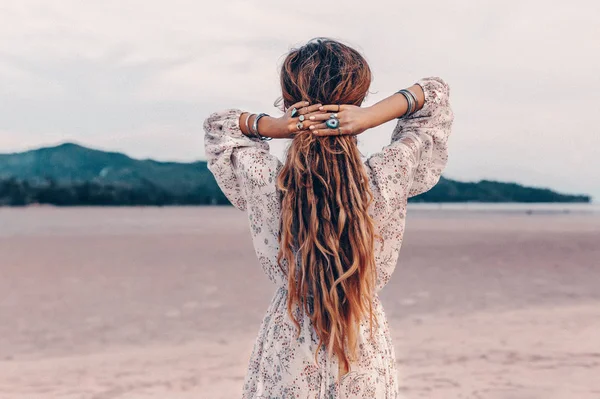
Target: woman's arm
283, 127
240, 161
392, 107
355, 120
419, 143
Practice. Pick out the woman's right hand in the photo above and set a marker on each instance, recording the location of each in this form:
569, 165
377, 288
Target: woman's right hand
287, 126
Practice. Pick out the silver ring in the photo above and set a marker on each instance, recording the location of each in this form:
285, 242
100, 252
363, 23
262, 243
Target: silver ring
333, 116
301, 117
294, 112
340, 131
299, 125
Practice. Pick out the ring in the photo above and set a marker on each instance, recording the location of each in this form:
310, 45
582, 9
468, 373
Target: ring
333, 116
338, 107
294, 112
301, 118
340, 131
332, 123
299, 125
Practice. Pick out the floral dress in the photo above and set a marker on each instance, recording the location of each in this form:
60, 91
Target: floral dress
282, 364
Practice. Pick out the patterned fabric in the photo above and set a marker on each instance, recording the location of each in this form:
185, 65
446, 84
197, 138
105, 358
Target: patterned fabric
282, 364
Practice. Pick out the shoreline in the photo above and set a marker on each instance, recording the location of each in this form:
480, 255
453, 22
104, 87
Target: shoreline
593, 207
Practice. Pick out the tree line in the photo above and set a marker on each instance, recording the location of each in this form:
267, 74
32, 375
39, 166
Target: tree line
17, 192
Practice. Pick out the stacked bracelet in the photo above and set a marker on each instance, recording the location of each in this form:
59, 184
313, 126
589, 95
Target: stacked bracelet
253, 130
411, 99
414, 96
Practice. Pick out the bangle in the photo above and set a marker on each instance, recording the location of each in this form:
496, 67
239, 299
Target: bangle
413, 103
414, 96
251, 129
409, 100
255, 128
247, 124
409, 103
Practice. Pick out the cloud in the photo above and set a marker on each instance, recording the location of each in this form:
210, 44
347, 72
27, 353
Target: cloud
140, 76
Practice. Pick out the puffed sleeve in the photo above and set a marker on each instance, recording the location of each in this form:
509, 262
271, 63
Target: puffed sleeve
242, 166
413, 162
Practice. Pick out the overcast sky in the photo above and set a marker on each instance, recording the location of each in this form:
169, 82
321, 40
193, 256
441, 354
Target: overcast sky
140, 76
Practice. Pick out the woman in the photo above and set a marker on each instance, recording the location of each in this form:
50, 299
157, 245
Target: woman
337, 218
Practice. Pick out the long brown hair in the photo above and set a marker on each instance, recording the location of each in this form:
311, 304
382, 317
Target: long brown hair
327, 235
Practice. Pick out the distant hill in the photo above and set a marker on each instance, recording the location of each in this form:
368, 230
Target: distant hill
492, 191
70, 174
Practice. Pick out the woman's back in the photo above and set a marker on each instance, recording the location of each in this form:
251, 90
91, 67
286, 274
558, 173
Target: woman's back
283, 362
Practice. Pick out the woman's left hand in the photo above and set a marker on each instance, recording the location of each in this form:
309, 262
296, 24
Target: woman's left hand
352, 120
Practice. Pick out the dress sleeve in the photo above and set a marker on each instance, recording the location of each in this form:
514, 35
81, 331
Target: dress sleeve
242, 166
247, 174
413, 162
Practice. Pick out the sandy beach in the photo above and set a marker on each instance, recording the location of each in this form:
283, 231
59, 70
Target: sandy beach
149, 303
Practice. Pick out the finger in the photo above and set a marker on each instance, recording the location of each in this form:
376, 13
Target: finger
339, 131
331, 108
309, 124
300, 126
318, 126
323, 131
309, 109
298, 105
319, 116
328, 132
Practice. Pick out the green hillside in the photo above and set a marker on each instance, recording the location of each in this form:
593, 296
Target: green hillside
70, 174
491, 191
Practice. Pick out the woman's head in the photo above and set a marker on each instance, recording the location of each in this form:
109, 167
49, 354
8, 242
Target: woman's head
324, 71
327, 235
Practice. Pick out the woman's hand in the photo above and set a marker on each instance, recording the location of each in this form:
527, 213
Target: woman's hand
355, 120
352, 120
287, 126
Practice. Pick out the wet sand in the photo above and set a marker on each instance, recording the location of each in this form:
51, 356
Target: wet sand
165, 303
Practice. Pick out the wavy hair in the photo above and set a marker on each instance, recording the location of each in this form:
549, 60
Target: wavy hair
327, 236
